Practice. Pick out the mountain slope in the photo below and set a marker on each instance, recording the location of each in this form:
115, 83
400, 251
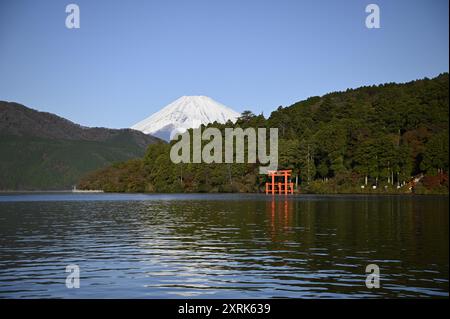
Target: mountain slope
184, 113
378, 137
43, 151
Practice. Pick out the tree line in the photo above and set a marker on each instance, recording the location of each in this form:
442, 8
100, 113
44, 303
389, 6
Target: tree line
370, 139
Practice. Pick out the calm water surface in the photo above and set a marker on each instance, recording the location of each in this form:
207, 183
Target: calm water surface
222, 246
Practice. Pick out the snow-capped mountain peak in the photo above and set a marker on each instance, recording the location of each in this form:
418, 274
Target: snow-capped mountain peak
184, 113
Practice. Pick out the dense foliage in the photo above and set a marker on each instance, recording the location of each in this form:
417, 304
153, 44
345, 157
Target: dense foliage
370, 139
31, 163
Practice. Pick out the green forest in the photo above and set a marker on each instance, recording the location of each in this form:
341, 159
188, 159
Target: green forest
373, 139
42, 151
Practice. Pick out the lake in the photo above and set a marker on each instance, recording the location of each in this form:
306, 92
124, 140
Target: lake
223, 245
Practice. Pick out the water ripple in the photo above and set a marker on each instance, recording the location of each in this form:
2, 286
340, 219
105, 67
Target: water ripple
215, 247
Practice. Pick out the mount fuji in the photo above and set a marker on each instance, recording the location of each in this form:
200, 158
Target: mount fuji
185, 113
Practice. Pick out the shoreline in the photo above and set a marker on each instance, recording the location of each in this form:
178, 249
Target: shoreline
95, 191
213, 193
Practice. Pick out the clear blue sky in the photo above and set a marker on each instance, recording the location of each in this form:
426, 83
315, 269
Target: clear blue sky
130, 58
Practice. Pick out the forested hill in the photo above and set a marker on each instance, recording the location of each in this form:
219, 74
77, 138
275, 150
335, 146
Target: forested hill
370, 139
42, 151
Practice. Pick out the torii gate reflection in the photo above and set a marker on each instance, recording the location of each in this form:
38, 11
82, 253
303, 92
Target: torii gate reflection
281, 214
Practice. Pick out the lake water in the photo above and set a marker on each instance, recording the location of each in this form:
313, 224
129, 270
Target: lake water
222, 246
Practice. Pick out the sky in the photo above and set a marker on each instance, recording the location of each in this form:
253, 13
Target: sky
129, 59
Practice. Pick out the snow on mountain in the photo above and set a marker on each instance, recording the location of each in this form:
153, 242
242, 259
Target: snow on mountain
184, 113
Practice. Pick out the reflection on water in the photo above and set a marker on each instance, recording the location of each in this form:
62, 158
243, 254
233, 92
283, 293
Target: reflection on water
223, 246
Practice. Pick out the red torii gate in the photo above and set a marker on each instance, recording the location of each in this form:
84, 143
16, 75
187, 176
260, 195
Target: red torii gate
286, 187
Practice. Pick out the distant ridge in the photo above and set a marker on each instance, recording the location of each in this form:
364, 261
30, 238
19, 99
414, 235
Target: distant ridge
43, 151
17, 119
